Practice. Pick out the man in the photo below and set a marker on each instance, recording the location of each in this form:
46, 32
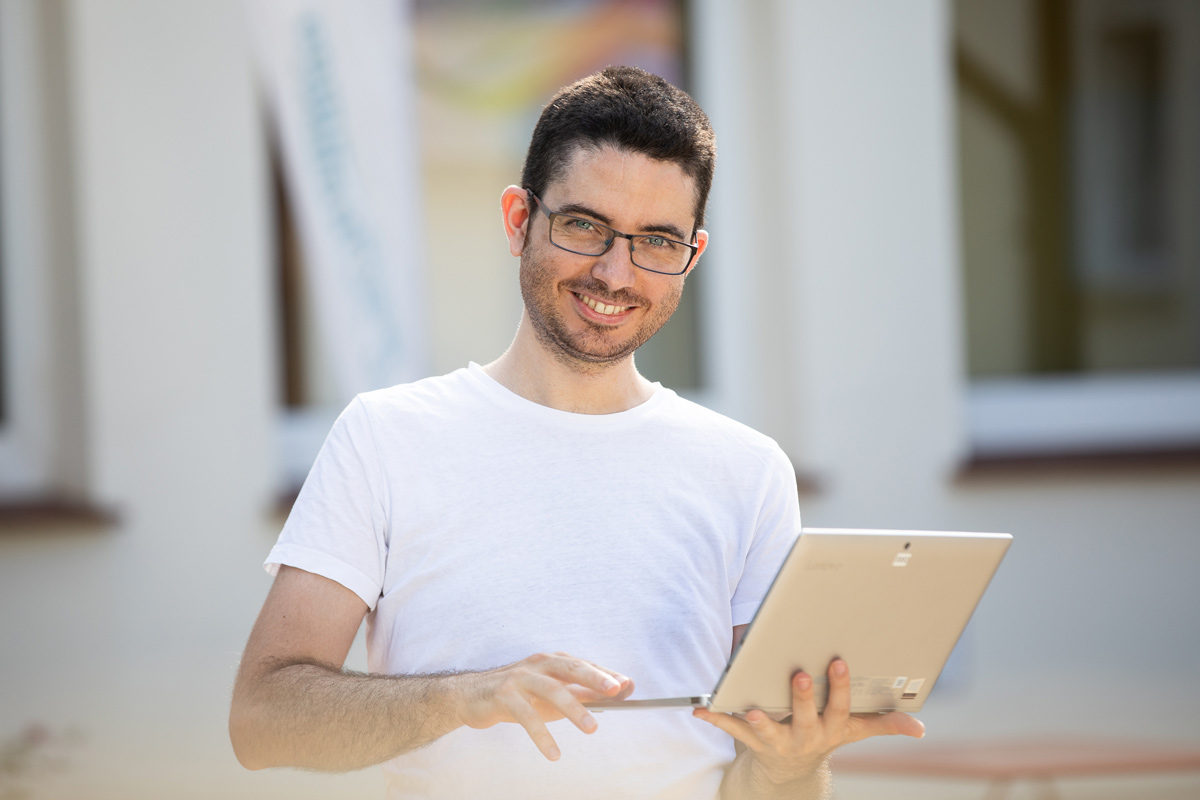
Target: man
530, 535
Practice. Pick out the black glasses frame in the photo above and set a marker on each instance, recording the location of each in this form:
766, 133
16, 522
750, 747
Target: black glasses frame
616, 234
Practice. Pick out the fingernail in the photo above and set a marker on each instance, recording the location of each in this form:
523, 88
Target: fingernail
803, 681
839, 668
589, 723
610, 683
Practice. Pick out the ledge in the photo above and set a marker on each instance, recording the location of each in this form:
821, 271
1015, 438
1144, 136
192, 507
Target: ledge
808, 484
40, 513
981, 466
284, 500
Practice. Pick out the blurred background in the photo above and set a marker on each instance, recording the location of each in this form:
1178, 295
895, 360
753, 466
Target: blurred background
955, 272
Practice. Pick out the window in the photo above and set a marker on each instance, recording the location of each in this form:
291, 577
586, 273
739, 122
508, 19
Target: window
309, 400
40, 387
1079, 132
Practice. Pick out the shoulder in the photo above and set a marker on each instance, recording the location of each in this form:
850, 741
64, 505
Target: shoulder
426, 403
407, 408
425, 394
721, 434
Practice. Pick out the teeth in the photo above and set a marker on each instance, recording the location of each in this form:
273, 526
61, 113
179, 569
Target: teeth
601, 307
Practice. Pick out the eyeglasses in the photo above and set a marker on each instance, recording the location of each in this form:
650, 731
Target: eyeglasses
587, 237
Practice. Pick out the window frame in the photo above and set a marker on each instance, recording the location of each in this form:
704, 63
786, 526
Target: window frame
1084, 415
1101, 413
41, 443
24, 433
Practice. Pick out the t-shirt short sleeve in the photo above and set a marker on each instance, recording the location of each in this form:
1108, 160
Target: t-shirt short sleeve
337, 527
775, 532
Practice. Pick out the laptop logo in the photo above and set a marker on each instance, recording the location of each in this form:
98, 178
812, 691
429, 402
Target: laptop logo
901, 559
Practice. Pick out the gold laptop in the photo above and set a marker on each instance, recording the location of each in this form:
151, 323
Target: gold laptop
891, 603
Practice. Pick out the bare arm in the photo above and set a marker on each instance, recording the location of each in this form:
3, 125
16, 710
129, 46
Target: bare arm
294, 705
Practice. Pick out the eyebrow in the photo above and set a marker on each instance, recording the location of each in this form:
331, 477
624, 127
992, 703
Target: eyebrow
578, 209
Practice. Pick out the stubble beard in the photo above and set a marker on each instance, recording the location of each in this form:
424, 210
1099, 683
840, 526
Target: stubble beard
594, 349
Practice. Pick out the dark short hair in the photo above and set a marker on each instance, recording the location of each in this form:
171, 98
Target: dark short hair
630, 109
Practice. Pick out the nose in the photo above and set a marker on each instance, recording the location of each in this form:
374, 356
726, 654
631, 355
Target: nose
615, 266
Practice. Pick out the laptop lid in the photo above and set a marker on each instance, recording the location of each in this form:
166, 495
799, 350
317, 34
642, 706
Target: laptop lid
891, 603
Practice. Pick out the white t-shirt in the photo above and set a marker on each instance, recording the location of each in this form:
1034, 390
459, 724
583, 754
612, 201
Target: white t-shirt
480, 528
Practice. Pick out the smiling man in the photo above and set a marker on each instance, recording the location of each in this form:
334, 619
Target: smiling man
544, 530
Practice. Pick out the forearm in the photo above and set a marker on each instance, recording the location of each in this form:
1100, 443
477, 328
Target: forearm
745, 780
315, 716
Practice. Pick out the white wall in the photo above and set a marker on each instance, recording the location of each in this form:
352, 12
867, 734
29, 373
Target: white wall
836, 172
858, 369
841, 337
131, 634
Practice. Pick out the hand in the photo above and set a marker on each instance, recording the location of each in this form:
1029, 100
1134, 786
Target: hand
537, 690
788, 751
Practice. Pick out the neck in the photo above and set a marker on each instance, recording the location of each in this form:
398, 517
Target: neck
528, 369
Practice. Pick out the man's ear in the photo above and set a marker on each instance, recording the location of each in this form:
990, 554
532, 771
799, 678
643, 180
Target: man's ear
515, 210
701, 246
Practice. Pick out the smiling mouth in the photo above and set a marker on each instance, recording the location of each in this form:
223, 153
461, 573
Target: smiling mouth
601, 308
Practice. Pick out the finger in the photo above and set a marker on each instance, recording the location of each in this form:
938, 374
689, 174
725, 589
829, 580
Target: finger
525, 715
625, 683
585, 695
569, 669
805, 718
739, 729
773, 734
612, 672
837, 707
624, 688
893, 723
549, 692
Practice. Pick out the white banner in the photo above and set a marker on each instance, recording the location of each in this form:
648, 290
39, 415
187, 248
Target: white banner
338, 78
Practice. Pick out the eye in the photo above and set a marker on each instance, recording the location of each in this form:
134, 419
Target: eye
582, 225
